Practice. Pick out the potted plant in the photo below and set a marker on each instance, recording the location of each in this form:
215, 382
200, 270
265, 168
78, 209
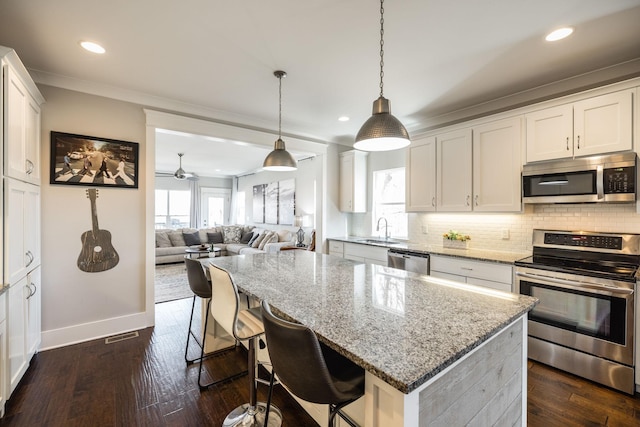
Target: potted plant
455, 240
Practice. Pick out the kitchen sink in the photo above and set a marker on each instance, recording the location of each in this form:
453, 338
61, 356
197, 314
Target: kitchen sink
379, 241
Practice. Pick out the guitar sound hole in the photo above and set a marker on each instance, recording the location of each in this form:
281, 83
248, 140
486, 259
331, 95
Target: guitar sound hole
97, 249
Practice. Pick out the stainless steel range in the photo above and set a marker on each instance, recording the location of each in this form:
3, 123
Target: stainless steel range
586, 284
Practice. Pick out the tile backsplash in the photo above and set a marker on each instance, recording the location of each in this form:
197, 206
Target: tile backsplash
487, 230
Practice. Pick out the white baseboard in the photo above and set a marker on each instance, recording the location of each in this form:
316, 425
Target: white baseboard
93, 330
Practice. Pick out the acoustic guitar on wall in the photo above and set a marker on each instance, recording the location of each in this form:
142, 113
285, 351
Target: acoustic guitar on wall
97, 252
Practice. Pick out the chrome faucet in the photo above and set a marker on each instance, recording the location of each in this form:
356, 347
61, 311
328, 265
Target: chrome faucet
386, 227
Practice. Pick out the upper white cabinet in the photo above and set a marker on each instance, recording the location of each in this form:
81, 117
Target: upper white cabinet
353, 181
596, 125
497, 161
478, 168
454, 171
22, 112
421, 175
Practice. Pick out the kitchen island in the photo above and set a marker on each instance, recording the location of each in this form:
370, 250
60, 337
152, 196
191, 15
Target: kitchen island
435, 352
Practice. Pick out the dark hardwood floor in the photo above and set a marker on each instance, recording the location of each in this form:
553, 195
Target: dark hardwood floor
144, 381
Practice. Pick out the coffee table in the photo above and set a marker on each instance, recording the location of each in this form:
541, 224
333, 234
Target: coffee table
202, 252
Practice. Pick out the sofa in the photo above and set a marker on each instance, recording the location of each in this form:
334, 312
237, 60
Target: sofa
231, 239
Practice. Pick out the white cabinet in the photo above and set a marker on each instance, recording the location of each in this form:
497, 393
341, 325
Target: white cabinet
21, 214
353, 181
596, 125
478, 168
421, 175
336, 248
488, 274
22, 145
497, 165
23, 329
21, 229
3, 352
366, 253
454, 171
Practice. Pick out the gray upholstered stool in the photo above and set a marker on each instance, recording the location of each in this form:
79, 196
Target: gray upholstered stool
244, 325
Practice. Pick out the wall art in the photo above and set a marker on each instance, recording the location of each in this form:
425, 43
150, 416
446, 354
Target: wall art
93, 161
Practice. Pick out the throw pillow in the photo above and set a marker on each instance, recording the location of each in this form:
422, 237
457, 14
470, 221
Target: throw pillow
268, 239
191, 239
246, 237
259, 239
162, 240
254, 236
176, 238
231, 234
214, 238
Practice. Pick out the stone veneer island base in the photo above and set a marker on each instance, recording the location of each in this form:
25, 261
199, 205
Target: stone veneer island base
435, 352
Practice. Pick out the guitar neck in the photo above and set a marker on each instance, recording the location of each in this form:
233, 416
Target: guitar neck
94, 216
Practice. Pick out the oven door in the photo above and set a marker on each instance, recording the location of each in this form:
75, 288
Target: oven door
591, 315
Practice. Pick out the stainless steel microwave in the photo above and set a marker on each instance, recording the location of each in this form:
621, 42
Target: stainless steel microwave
597, 179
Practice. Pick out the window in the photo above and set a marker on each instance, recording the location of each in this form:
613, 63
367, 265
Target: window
172, 208
215, 206
388, 202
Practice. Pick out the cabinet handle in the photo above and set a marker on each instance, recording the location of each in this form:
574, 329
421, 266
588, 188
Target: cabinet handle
29, 167
476, 200
468, 198
466, 268
578, 142
567, 143
433, 201
32, 292
31, 258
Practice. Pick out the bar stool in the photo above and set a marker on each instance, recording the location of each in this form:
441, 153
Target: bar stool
309, 369
200, 287
244, 325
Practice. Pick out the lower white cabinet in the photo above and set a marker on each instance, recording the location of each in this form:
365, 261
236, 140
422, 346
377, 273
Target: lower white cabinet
366, 253
23, 325
3, 352
336, 248
488, 274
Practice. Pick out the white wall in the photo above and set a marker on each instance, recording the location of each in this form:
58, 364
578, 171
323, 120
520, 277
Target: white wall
308, 192
76, 305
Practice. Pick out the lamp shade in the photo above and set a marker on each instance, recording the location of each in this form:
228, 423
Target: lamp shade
298, 220
279, 159
382, 131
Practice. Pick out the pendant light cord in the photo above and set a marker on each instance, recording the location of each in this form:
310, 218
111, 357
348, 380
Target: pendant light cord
280, 108
381, 46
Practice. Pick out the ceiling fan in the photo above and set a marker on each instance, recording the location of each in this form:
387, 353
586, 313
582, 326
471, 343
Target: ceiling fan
181, 174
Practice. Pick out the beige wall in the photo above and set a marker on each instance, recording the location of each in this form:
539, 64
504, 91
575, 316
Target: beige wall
76, 305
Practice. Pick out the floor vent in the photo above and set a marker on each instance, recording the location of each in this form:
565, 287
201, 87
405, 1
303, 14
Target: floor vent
121, 337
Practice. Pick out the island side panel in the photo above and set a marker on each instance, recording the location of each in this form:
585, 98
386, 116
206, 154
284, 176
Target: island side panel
486, 388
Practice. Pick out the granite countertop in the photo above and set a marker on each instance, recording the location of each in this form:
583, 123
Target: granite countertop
400, 326
477, 254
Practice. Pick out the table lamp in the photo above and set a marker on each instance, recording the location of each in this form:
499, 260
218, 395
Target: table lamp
300, 232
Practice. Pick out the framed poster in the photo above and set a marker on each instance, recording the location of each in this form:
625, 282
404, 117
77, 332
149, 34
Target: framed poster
271, 203
286, 201
258, 204
93, 161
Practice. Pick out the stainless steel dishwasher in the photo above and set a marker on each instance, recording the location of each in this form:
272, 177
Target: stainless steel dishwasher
408, 260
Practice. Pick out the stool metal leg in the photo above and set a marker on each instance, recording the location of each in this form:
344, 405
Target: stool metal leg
253, 414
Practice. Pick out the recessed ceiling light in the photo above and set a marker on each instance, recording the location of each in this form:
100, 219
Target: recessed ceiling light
343, 118
92, 47
559, 34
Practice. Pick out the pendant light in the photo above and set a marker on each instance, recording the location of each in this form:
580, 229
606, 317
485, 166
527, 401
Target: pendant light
382, 132
280, 159
180, 174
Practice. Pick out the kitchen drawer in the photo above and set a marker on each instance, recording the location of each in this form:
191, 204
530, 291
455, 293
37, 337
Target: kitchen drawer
365, 251
477, 269
506, 287
336, 248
